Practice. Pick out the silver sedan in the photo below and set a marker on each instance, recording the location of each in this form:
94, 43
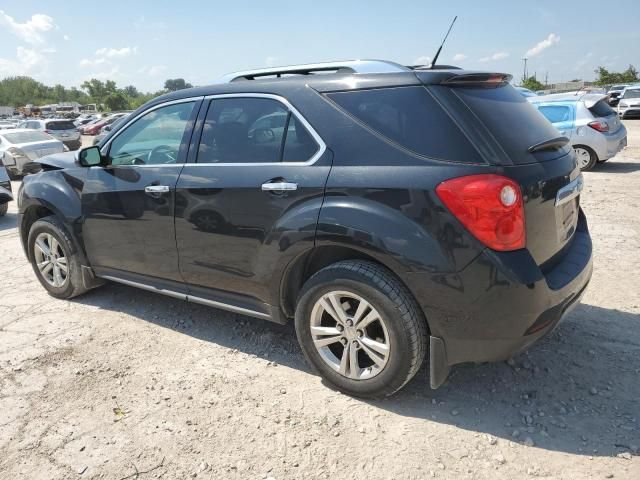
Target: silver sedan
21, 146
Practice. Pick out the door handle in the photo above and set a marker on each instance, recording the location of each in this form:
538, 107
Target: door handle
279, 187
155, 189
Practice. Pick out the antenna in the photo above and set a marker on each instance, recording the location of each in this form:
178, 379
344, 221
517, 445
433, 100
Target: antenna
433, 63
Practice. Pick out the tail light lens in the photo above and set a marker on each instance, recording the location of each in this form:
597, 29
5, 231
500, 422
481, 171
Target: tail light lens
489, 206
599, 126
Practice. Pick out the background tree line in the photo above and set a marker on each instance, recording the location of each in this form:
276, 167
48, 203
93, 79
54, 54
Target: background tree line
20, 91
604, 78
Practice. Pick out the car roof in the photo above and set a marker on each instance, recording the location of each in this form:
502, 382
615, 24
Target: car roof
588, 98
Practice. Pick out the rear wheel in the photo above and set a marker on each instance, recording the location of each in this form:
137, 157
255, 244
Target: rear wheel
54, 258
3, 209
361, 329
587, 158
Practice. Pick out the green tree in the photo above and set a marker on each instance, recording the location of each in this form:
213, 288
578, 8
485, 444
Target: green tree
96, 89
176, 84
532, 83
117, 101
131, 91
605, 77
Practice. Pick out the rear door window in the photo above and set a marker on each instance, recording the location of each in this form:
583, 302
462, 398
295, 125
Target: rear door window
60, 126
411, 118
253, 130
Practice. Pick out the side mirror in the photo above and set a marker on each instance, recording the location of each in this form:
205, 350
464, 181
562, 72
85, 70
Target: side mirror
90, 157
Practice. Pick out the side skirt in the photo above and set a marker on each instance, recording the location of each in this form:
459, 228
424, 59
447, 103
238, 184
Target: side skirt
172, 289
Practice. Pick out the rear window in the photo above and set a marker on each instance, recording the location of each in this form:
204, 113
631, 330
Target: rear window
511, 119
26, 137
60, 126
410, 117
601, 109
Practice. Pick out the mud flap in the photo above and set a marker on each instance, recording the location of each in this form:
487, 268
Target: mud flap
89, 279
438, 366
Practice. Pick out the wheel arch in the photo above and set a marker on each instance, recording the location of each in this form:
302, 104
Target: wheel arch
313, 260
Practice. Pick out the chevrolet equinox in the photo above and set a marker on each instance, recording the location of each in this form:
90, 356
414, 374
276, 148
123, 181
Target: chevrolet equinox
393, 213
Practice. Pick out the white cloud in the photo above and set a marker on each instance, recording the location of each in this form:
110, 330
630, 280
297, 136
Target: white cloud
495, 56
85, 62
116, 52
270, 61
423, 60
153, 71
106, 74
552, 39
31, 31
26, 62
66, 37
458, 57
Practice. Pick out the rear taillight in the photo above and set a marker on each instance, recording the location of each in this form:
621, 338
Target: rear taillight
599, 126
489, 206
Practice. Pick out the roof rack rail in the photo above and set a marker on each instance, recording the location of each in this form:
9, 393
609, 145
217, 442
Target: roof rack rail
348, 66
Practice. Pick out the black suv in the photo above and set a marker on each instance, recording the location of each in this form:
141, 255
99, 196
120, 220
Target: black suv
391, 211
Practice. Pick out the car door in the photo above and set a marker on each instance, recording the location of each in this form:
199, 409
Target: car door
128, 205
250, 200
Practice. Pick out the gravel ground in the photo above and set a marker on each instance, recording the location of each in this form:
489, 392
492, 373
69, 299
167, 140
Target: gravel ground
121, 383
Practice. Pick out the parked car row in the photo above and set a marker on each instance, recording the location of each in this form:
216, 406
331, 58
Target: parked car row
95, 126
629, 102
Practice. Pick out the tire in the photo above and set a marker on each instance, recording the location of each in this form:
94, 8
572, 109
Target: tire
401, 329
3, 209
45, 229
587, 158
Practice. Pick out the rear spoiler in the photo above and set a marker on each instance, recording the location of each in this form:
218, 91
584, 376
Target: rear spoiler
551, 144
478, 80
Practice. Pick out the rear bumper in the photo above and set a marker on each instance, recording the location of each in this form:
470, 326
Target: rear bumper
608, 145
501, 303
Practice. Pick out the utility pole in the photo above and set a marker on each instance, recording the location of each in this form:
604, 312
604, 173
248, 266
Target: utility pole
524, 72
546, 78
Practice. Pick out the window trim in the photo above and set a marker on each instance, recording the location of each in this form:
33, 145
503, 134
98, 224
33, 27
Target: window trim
322, 146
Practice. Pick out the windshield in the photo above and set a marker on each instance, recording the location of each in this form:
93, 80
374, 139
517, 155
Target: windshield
634, 93
27, 137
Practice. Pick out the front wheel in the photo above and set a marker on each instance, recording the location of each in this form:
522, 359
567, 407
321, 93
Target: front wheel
587, 158
54, 258
361, 329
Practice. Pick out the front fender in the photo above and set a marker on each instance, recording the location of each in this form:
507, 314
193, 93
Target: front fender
58, 191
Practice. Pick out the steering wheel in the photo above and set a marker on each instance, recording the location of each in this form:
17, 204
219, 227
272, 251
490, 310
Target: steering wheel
164, 152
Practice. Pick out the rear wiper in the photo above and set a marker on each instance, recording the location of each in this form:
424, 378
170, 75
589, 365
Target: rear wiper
551, 144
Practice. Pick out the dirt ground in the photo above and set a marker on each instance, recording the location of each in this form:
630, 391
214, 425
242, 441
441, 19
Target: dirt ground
121, 383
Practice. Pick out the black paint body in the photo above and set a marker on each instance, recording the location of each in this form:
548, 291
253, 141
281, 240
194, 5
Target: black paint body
217, 236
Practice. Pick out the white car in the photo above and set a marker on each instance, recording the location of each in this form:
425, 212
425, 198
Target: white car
21, 146
6, 124
629, 104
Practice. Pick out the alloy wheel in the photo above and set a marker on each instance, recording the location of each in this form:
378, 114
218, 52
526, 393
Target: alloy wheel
350, 335
51, 260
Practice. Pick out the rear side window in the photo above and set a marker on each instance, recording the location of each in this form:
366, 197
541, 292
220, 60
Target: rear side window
556, 113
410, 117
601, 109
60, 126
253, 130
511, 119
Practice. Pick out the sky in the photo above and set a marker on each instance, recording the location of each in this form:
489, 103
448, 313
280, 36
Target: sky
144, 42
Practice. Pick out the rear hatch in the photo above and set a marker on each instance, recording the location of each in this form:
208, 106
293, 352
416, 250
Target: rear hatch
512, 135
600, 110
63, 130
